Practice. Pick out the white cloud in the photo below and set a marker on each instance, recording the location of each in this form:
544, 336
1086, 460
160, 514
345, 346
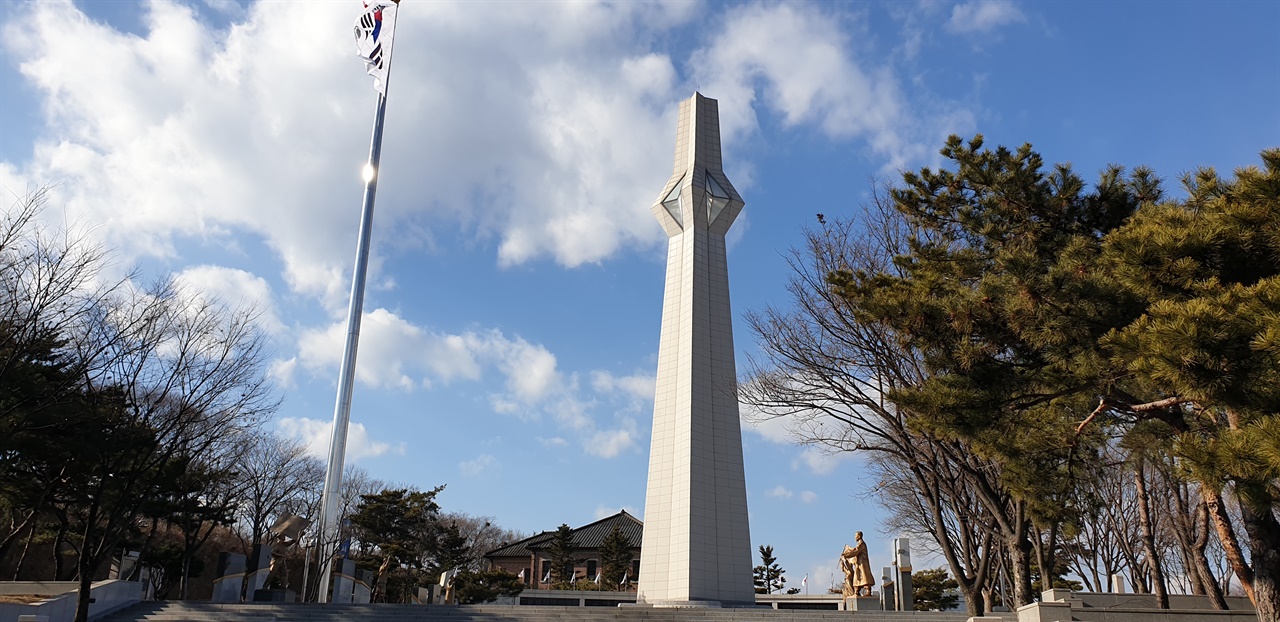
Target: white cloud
399, 355
808, 496
804, 66
235, 288
282, 371
817, 459
316, 435
550, 140
611, 443
820, 461
780, 492
484, 463
983, 16
554, 441
637, 386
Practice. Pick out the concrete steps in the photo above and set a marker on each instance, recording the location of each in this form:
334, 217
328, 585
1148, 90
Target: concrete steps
211, 612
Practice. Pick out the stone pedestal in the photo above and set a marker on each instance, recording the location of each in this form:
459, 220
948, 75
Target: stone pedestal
863, 603
344, 581
226, 588
363, 587
259, 569
275, 596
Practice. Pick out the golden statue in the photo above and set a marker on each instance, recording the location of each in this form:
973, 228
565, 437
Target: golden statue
856, 565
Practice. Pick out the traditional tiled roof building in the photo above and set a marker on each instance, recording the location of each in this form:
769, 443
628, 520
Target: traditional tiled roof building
529, 556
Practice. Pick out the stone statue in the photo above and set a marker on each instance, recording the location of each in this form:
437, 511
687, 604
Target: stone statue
856, 566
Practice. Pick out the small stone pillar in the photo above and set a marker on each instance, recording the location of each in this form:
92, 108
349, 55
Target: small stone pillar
1117, 584
888, 602
226, 588
259, 570
344, 581
902, 575
362, 589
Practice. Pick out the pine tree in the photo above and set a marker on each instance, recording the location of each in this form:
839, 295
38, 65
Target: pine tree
1208, 271
933, 590
615, 558
398, 522
1002, 295
768, 575
561, 553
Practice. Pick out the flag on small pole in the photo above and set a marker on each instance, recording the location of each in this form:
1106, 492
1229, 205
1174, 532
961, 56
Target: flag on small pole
547, 579
374, 31
804, 583
521, 575
597, 581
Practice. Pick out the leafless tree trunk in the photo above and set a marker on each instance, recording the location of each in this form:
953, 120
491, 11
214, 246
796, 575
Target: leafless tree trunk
1148, 535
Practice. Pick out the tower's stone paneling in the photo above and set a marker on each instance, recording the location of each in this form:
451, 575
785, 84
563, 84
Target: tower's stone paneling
697, 544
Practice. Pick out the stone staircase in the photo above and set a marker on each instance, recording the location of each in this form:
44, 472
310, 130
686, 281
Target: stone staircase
217, 612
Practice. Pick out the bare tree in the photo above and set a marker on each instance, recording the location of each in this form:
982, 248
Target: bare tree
276, 477
172, 375
826, 373
482, 535
49, 283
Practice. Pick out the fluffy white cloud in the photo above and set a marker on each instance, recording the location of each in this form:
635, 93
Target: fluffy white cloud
234, 288
808, 496
636, 386
282, 370
820, 461
611, 443
798, 58
316, 435
982, 16
484, 463
550, 139
396, 354
780, 492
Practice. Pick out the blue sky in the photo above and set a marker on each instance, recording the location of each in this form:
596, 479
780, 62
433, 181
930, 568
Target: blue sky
513, 312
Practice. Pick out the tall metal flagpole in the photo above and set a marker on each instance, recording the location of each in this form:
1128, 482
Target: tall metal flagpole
328, 535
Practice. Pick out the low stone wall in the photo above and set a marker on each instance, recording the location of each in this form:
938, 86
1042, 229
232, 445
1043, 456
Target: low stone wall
108, 596
570, 598
1066, 606
586, 598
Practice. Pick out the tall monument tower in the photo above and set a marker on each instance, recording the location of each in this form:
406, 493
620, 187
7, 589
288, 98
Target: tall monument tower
697, 544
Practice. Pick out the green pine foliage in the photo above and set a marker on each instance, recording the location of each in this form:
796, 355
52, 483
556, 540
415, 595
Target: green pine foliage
768, 575
1053, 316
561, 552
934, 590
1002, 295
615, 558
474, 588
400, 524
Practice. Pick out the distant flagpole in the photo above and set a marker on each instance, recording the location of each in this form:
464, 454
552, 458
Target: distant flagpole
378, 60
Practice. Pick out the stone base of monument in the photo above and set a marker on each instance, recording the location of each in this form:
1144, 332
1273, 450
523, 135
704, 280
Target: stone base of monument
275, 596
862, 603
675, 604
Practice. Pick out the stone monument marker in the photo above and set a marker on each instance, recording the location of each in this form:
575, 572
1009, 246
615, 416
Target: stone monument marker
697, 544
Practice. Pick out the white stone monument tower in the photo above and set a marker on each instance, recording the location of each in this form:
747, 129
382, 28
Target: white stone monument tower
697, 545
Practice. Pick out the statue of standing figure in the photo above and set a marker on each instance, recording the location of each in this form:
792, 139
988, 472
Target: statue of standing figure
856, 565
